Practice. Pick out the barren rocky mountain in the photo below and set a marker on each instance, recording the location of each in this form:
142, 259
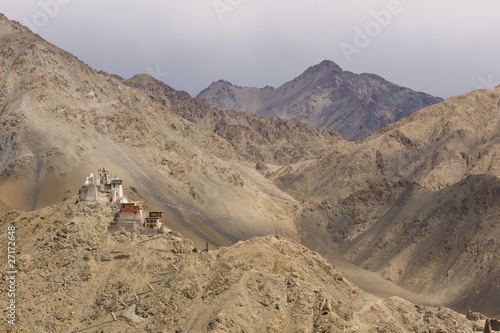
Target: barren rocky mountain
260, 140
417, 200
326, 97
443, 244
435, 147
61, 120
76, 277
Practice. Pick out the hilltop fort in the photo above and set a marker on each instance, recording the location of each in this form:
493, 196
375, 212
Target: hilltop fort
103, 187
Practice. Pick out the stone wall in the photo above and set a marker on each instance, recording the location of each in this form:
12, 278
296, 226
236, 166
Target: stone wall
492, 325
127, 221
88, 193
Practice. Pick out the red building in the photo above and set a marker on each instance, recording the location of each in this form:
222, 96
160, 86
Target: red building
130, 208
129, 218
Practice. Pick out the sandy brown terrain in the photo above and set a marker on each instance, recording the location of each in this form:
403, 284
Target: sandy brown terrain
75, 277
416, 201
370, 203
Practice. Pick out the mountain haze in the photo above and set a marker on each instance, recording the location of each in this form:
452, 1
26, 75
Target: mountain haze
326, 97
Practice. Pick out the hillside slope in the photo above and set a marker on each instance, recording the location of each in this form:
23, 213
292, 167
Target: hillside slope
326, 97
416, 202
430, 179
77, 277
435, 147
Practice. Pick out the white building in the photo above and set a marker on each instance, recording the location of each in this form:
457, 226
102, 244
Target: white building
102, 187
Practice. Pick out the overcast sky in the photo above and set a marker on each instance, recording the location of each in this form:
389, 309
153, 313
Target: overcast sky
445, 48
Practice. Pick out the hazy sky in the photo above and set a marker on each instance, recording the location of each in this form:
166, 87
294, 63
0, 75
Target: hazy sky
445, 48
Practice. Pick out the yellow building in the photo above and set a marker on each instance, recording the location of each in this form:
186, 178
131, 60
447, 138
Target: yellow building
155, 220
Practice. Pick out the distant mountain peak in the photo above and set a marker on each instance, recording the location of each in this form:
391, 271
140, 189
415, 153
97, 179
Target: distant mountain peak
326, 66
326, 97
144, 77
224, 82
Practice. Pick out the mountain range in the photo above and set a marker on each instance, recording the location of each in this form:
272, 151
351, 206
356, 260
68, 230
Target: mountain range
416, 201
326, 97
258, 139
409, 211
388, 183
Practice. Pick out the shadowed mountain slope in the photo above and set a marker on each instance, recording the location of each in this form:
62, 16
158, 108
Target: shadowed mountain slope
430, 179
442, 244
365, 196
435, 147
375, 200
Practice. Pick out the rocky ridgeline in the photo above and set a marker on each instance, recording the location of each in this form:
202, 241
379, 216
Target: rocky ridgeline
258, 139
411, 183
326, 97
